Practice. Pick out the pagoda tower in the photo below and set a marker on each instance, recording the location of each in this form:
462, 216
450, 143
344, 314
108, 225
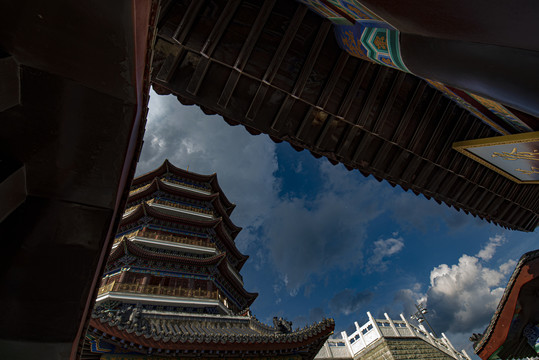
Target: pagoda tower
172, 283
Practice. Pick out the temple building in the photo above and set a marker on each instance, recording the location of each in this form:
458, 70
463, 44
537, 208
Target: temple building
513, 331
172, 284
349, 80
390, 340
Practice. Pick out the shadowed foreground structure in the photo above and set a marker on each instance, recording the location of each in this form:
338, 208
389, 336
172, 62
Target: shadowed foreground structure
74, 80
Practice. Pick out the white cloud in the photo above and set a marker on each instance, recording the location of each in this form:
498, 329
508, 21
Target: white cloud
384, 249
488, 251
508, 267
463, 296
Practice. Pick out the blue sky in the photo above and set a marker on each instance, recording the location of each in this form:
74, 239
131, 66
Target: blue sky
327, 242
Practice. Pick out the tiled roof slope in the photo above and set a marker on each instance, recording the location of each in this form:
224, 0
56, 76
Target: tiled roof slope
169, 333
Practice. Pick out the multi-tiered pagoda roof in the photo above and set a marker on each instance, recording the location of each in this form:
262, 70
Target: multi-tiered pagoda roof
172, 282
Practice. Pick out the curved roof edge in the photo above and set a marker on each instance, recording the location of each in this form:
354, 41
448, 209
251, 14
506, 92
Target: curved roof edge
145, 341
495, 334
145, 209
127, 247
167, 166
214, 198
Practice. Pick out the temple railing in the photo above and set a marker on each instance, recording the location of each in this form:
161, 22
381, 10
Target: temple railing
160, 290
181, 206
350, 346
148, 234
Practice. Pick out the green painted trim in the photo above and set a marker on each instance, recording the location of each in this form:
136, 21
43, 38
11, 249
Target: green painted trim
494, 355
394, 49
365, 41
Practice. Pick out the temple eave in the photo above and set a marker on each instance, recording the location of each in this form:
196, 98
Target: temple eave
291, 342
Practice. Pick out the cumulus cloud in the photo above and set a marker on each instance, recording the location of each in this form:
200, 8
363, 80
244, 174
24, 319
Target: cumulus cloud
384, 249
349, 301
507, 267
488, 251
463, 296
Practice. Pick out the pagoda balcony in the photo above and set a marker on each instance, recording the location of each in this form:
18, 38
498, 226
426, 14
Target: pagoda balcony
186, 186
166, 295
170, 241
183, 209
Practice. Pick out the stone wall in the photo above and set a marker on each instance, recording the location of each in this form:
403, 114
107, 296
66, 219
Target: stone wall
401, 349
378, 350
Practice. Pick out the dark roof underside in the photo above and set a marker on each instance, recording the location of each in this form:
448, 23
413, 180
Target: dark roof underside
276, 68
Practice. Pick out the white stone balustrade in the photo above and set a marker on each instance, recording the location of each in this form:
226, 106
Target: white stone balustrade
349, 346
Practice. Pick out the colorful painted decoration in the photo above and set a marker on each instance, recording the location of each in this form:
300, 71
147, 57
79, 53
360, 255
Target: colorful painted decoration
360, 32
444, 89
378, 43
514, 156
363, 34
502, 113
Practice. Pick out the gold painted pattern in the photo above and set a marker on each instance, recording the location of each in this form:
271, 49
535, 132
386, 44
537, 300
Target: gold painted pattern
532, 137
